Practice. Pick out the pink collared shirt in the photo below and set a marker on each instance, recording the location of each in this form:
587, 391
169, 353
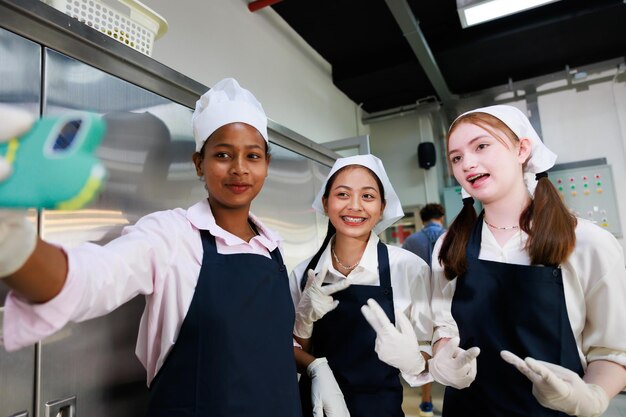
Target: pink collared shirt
159, 257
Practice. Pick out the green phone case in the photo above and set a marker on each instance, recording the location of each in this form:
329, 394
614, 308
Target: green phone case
54, 165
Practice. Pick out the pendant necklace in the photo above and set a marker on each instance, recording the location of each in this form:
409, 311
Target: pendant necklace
498, 227
346, 267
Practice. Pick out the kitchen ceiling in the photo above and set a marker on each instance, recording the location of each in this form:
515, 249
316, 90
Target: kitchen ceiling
393, 53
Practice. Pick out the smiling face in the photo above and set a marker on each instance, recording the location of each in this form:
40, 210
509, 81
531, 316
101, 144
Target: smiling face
234, 163
354, 203
486, 162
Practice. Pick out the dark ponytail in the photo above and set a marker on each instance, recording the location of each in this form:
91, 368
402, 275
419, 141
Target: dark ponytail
452, 253
550, 226
330, 232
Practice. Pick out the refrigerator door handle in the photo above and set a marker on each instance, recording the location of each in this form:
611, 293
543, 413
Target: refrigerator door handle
61, 408
20, 414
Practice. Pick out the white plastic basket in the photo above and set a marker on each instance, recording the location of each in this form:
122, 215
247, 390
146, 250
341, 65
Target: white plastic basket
137, 26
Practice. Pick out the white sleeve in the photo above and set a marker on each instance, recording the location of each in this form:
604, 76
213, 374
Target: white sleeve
598, 262
420, 313
295, 280
410, 276
441, 302
421, 318
100, 279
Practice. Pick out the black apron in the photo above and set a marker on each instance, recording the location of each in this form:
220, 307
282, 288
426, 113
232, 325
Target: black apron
519, 308
234, 354
371, 388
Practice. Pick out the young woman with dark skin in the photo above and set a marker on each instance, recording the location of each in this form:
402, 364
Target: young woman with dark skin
217, 292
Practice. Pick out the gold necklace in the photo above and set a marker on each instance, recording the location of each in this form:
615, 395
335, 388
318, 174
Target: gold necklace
346, 267
498, 227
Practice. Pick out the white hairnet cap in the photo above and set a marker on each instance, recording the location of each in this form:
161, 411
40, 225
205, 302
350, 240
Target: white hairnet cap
541, 158
227, 102
393, 210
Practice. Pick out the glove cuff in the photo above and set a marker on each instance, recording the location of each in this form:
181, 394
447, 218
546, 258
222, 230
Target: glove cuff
310, 370
600, 403
302, 329
418, 366
18, 239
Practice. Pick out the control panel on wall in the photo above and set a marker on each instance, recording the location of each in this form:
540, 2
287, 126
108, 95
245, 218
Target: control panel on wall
589, 192
453, 203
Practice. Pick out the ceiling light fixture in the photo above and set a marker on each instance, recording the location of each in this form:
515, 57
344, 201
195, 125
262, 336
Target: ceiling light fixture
474, 12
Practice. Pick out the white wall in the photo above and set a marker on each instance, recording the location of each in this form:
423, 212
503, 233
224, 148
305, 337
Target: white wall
395, 142
212, 39
589, 124
208, 40
576, 125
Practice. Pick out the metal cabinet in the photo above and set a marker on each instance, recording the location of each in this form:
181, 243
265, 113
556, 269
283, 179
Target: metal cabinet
89, 368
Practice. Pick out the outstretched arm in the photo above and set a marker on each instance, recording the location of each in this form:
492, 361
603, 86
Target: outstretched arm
43, 274
33, 268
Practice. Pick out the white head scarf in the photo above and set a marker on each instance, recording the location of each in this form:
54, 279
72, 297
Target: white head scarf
541, 158
227, 102
393, 210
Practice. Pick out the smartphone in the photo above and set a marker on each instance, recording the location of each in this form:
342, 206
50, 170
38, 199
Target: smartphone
54, 165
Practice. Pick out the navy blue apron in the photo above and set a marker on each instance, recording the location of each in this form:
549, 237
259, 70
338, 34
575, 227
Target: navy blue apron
234, 354
370, 387
519, 308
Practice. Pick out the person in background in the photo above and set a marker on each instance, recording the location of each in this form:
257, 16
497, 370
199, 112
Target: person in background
216, 332
361, 271
525, 283
422, 243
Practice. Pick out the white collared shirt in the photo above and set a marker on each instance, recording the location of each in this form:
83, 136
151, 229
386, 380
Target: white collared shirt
159, 257
594, 282
410, 278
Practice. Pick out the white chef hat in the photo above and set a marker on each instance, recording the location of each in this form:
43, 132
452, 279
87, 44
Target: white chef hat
227, 102
393, 210
541, 158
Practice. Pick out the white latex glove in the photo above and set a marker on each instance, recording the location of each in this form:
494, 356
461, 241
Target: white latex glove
560, 389
453, 366
17, 235
395, 345
13, 122
17, 241
326, 395
316, 301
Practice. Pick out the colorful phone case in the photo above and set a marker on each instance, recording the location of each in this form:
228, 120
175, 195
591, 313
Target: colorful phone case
54, 165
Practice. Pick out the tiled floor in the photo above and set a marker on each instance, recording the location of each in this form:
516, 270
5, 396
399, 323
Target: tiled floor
617, 408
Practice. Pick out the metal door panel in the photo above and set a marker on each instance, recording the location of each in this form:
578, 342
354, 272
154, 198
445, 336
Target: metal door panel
284, 204
17, 376
20, 80
148, 159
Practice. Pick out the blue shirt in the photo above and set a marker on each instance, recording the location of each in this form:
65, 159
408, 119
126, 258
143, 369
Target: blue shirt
421, 243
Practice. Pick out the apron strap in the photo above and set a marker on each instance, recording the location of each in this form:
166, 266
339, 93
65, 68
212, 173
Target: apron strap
473, 245
383, 265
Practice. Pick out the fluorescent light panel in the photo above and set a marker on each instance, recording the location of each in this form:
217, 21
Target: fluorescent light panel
484, 11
